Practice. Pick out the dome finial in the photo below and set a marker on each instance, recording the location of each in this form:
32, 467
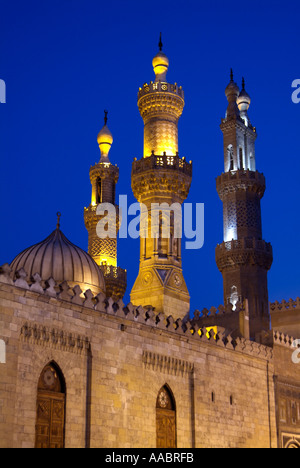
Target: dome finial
105, 140
160, 44
231, 75
243, 84
160, 63
58, 214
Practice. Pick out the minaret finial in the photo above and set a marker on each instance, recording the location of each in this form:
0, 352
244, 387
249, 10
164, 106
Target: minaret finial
58, 214
160, 44
243, 83
231, 74
105, 117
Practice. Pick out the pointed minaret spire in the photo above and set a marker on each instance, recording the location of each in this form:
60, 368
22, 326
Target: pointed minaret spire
58, 214
243, 84
231, 75
160, 44
105, 117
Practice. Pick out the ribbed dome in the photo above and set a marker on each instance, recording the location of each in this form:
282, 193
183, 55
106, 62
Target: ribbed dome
58, 258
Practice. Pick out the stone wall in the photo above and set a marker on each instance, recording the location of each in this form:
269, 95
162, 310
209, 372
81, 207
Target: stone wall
115, 359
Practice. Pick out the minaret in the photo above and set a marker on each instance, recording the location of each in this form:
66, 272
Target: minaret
161, 176
244, 258
104, 177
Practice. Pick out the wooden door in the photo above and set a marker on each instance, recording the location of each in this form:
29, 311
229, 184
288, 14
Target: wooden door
50, 419
165, 420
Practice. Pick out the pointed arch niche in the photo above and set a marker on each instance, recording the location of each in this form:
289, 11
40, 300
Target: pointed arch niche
165, 419
50, 408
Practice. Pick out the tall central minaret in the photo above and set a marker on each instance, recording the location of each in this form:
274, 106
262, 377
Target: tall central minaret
161, 176
244, 258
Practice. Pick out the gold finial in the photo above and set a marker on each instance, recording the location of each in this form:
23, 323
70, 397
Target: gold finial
58, 214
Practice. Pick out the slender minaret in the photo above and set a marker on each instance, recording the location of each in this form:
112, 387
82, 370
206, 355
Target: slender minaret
244, 258
161, 176
104, 177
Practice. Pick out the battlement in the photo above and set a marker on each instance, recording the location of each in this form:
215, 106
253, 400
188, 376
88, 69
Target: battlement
137, 314
285, 316
285, 305
283, 339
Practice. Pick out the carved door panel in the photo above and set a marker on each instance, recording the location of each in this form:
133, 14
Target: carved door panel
165, 419
50, 421
165, 429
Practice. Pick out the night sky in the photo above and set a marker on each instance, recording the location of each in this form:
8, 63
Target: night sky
64, 62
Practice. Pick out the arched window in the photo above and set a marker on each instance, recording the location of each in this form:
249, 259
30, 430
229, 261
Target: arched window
99, 191
165, 419
241, 158
252, 162
51, 399
230, 158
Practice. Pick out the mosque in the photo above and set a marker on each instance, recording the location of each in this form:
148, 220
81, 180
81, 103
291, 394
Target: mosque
81, 369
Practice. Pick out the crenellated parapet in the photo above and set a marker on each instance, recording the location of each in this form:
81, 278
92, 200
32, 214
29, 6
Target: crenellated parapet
285, 317
285, 305
187, 329
283, 339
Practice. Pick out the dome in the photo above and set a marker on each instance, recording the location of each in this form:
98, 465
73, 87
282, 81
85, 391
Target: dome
105, 136
58, 258
105, 140
244, 100
232, 92
160, 65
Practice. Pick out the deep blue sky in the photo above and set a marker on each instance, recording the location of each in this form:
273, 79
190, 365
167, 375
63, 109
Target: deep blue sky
65, 61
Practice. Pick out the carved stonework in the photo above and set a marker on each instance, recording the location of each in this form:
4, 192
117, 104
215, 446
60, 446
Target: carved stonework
166, 364
53, 338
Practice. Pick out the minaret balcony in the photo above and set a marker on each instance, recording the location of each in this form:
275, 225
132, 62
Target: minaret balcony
160, 87
162, 162
247, 251
241, 180
115, 280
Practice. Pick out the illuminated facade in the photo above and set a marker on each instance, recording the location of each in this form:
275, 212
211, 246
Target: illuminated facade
161, 177
80, 369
